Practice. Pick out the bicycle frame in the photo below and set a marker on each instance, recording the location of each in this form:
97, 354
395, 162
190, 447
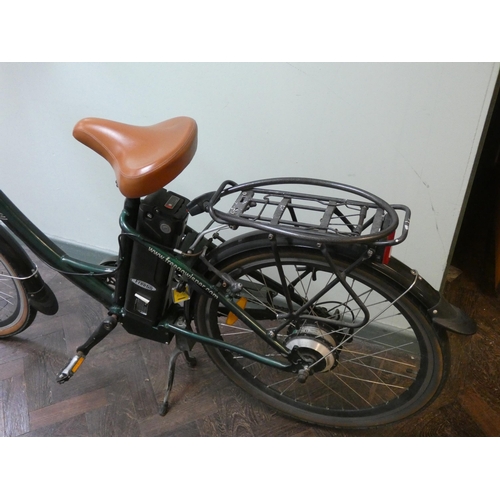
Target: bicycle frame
87, 277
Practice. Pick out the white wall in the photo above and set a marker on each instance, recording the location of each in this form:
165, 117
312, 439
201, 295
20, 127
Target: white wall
408, 132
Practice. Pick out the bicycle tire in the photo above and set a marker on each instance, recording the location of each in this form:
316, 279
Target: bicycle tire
389, 369
16, 314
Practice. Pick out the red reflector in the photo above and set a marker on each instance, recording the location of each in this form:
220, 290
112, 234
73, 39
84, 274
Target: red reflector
387, 249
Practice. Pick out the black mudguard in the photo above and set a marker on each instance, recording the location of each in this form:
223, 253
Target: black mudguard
438, 308
40, 295
440, 311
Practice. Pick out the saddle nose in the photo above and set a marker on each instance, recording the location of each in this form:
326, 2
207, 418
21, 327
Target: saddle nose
144, 158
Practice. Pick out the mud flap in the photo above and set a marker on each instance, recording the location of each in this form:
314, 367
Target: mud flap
452, 318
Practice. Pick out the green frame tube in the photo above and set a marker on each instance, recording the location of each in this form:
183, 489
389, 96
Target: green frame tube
74, 270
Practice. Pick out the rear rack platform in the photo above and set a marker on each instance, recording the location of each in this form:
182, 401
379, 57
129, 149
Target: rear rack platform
316, 210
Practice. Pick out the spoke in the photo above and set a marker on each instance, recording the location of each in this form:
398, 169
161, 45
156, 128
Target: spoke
301, 281
341, 375
251, 365
256, 299
378, 377
395, 347
360, 379
8, 294
366, 295
240, 331
374, 356
380, 352
392, 332
335, 392
374, 369
294, 380
352, 389
6, 297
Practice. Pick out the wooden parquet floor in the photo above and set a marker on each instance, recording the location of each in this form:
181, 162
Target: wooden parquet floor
118, 389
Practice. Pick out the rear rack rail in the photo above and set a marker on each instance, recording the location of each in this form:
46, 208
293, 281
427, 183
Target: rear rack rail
319, 212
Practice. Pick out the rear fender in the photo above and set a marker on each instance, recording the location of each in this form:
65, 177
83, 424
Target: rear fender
439, 310
39, 293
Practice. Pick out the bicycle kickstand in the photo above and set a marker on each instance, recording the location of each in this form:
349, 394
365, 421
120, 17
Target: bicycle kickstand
105, 328
181, 347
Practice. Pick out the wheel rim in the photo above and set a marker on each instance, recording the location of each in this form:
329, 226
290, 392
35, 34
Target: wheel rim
385, 371
12, 309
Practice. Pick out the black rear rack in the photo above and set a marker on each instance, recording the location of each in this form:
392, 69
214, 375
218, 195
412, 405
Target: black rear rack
318, 213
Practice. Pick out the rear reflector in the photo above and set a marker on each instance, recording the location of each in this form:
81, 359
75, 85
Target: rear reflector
387, 250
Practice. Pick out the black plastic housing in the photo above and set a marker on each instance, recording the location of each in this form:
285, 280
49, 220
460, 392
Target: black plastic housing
162, 220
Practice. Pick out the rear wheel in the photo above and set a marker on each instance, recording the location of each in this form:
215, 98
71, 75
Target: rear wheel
15, 311
356, 376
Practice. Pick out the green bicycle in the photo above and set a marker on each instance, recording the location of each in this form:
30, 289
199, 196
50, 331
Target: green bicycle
305, 309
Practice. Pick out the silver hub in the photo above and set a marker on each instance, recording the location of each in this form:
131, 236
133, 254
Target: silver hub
315, 346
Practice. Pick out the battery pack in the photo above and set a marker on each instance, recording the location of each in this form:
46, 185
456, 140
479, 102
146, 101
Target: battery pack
162, 220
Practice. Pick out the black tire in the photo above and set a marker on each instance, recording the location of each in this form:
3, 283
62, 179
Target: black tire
16, 314
361, 377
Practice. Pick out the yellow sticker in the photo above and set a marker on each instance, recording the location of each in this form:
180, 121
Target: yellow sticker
180, 296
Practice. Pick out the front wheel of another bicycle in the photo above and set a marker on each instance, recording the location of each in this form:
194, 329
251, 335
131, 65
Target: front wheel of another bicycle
16, 314
378, 374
